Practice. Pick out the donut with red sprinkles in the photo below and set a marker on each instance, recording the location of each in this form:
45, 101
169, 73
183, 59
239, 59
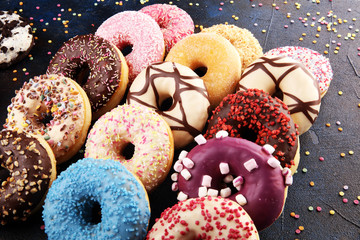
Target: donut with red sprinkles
204, 218
260, 118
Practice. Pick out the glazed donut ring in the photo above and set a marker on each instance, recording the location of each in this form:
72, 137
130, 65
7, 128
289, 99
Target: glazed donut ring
300, 91
242, 39
174, 22
108, 72
188, 111
16, 39
256, 116
239, 170
316, 63
121, 198
141, 32
217, 55
55, 108
197, 219
138, 126
31, 168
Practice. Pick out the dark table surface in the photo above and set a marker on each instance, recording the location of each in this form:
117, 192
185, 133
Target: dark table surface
334, 136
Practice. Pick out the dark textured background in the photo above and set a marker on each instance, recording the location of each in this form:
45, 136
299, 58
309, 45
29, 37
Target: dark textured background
330, 176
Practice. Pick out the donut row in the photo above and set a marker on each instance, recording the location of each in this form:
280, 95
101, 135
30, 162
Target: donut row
245, 110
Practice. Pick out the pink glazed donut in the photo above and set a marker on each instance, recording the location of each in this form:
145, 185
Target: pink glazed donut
138, 31
174, 22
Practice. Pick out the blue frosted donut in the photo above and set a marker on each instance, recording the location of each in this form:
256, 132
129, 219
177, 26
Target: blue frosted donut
90, 189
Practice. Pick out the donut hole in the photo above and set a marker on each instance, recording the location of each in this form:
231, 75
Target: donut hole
46, 119
92, 212
279, 94
166, 104
248, 134
229, 184
201, 71
127, 49
128, 151
82, 74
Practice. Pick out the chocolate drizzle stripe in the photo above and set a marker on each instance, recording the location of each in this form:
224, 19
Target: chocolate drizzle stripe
179, 83
304, 107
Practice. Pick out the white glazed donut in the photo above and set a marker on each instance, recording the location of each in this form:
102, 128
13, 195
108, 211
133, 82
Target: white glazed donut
185, 93
290, 78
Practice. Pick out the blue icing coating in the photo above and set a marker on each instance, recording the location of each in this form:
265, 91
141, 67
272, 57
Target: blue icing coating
125, 210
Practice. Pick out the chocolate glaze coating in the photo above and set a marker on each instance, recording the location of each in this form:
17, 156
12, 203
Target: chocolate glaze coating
91, 53
29, 168
267, 119
264, 187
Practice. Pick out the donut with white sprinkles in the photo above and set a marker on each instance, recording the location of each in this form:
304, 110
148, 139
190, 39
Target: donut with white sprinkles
204, 218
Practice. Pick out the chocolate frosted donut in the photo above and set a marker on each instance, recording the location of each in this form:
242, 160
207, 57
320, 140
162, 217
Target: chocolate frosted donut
26, 173
256, 116
237, 169
97, 65
16, 38
178, 94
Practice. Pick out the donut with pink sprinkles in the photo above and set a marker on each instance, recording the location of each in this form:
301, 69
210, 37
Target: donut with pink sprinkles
315, 62
135, 32
174, 22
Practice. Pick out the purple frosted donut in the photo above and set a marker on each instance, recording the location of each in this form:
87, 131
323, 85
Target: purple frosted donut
237, 169
174, 22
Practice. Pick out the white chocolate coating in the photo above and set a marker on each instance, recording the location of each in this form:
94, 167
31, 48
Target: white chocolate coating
17, 42
204, 218
188, 112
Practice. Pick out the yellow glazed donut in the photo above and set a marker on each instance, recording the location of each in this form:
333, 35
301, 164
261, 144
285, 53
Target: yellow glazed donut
168, 82
243, 40
214, 55
289, 80
136, 136
54, 107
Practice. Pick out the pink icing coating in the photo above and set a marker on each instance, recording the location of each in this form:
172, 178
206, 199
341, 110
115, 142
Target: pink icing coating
262, 189
174, 22
141, 32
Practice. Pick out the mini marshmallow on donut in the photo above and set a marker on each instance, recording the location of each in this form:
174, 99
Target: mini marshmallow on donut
16, 39
53, 107
188, 111
31, 168
217, 55
113, 134
108, 72
298, 88
141, 32
317, 64
204, 218
237, 169
96, 184
174, 22
258, 117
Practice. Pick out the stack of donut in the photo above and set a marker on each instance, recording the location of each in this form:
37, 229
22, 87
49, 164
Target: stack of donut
244, 109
